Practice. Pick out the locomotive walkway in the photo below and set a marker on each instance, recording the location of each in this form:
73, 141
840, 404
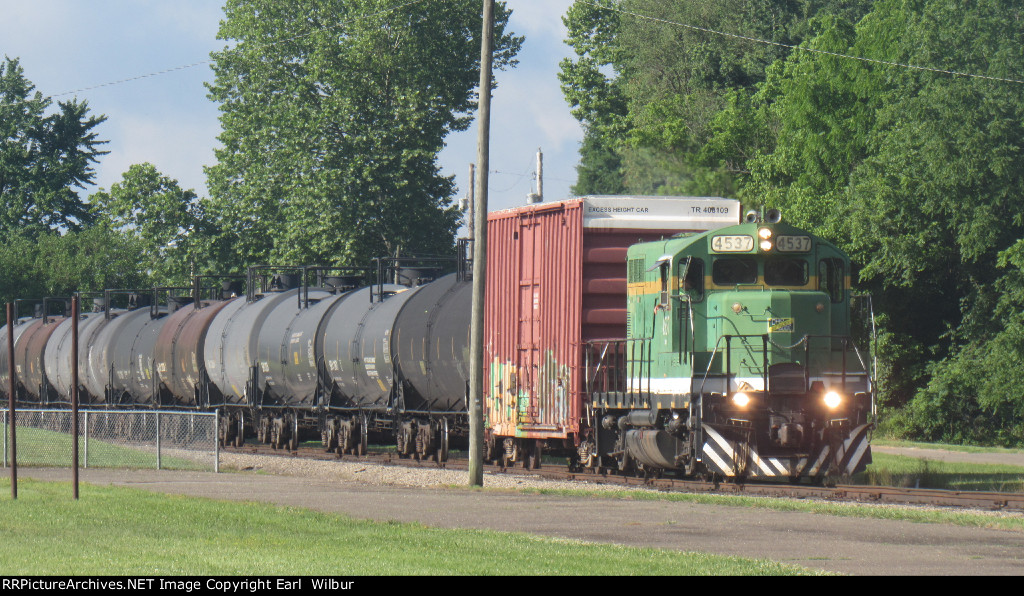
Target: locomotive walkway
836, 544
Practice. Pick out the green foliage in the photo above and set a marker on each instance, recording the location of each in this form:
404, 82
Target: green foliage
43, 157
917, 173
59, 265
167, 223
333, 114
663, 91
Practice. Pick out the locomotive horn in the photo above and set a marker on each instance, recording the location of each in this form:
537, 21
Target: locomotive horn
773, 216
751, 216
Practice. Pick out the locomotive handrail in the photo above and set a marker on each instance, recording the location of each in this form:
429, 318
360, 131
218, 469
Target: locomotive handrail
622, 375
806, 340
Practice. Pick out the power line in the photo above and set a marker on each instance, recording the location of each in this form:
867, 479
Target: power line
793, 47
202, 62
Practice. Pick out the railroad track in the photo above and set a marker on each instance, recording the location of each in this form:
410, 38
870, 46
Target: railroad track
991, 501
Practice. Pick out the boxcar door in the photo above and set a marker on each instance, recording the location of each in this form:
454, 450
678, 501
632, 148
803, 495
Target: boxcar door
528, 351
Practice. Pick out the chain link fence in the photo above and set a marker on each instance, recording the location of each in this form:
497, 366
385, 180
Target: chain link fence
114, 439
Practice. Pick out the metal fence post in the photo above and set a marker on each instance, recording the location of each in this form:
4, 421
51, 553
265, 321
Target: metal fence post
85, 443
158, 461
216, 441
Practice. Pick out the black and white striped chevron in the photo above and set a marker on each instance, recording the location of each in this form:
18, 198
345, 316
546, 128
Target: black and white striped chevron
734, 458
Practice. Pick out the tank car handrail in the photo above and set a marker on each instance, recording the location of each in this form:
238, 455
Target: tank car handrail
197, 299
154, 307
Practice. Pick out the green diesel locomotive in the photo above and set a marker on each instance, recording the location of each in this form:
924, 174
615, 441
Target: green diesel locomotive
738, 360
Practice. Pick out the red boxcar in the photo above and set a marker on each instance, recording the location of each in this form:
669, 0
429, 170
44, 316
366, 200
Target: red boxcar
556, 278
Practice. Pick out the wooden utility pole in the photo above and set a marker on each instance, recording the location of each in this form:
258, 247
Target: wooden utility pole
470, 219
74, 395
11, 422
476, 342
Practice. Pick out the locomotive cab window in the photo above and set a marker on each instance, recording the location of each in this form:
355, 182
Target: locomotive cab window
830, 278
692, 278
734, 270
785, 272
663, 269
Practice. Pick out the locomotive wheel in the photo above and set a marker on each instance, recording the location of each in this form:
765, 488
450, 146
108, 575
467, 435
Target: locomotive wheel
691, 466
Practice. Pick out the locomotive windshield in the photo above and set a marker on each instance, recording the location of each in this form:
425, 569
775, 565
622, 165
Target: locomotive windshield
734, 270
785, 272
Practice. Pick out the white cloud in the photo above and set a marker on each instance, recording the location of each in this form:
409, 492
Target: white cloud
539, 17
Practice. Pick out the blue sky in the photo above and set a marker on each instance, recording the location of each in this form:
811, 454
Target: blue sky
67, 45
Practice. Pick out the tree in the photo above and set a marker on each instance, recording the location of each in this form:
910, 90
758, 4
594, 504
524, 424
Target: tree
652, 79
167, 223
917, 174
58, 265
333, 113
43, 158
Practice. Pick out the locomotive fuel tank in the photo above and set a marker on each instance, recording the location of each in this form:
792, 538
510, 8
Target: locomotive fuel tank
431, 343
179, 352
355, 340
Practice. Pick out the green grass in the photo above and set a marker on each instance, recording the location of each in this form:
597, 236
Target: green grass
903, 471
121, 531
46, 448
961, 448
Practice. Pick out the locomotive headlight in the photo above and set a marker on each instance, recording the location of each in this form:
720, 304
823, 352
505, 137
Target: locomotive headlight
832, 400
741, 399
764, 233
766, 245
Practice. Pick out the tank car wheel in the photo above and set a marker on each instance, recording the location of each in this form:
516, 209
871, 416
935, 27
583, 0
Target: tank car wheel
276, 432
240, 437
344, 434
364, 436
329, 435
223, 432
442, 442
403, 440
